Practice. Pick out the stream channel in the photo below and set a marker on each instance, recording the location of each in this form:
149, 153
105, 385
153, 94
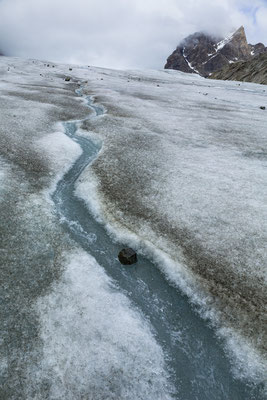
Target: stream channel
199, 368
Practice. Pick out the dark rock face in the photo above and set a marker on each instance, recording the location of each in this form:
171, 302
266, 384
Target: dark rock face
127, 256
253, 70
258, 48
203, 54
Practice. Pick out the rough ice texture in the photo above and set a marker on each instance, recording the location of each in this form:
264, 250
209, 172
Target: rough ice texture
183, 167
34, 154
95, 346
31, 238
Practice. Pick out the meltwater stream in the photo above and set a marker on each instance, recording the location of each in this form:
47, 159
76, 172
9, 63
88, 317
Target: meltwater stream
195, 357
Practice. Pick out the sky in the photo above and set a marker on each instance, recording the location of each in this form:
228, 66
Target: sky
120, 33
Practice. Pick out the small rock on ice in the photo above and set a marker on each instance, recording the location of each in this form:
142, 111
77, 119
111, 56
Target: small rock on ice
127, 256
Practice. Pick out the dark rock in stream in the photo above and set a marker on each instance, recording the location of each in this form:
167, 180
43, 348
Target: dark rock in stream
127, 256
67, 79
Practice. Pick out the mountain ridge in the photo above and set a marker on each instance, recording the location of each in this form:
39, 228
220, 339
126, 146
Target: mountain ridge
254, 70
204, 54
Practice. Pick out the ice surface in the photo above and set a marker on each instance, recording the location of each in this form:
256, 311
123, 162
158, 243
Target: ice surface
62, 152
95, 346
115, 356
3, 176
31, 239
181, 175
183, 167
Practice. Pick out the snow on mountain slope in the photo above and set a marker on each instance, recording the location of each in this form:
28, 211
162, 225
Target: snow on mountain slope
181, 176
223, 42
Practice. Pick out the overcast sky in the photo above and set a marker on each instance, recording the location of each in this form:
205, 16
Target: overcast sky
120, 33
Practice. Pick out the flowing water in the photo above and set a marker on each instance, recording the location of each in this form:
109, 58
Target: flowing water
195, 357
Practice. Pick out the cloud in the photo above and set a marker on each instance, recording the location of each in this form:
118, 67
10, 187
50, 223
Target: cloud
119, 33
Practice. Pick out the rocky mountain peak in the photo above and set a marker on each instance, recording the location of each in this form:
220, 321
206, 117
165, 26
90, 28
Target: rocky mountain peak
203, 54
236, 45
240, 32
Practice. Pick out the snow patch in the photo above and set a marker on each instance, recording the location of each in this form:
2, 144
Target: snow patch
223, 42
189, 64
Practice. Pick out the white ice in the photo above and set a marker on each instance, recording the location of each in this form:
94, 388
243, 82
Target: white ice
4, 175
95, 345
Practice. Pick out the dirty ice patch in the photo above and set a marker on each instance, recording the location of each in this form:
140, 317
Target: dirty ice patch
88, 190
95, 345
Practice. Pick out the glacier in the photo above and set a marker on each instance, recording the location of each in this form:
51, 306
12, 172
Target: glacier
181, 177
